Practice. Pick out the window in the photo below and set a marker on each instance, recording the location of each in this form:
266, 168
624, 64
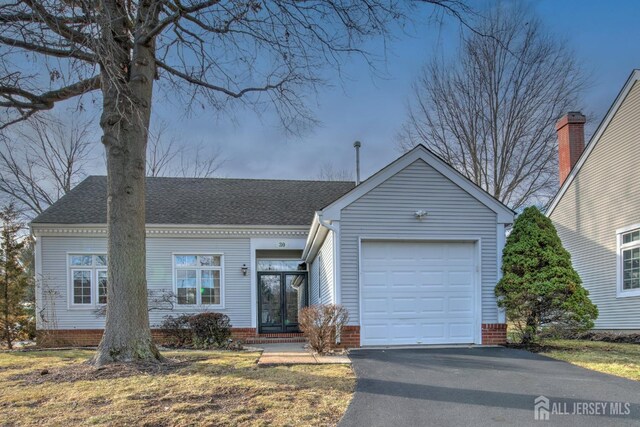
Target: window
88, 273
629, 261
198, 279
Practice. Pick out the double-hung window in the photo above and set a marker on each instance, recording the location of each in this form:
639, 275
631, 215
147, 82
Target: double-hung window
629, 261
88, 275
198, 279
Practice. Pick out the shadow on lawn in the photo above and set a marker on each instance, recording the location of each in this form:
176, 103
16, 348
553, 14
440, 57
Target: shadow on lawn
238, 365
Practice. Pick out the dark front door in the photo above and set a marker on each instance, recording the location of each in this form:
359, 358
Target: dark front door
281, 296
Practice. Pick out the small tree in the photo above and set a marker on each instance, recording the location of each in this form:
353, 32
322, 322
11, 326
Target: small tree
13, 280
539, 286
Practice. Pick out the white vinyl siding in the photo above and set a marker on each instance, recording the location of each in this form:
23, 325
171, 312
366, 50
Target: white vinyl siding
604, 197
387, 211
314, 282
53, 288
325, 263
322, 273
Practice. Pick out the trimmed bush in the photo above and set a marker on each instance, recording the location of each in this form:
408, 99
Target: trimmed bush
539, 287
177, 330
321, 323
210, 330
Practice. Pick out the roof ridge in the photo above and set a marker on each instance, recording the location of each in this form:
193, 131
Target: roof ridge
232, 179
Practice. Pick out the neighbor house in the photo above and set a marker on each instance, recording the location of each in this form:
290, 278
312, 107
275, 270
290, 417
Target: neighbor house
413, 253
597, 210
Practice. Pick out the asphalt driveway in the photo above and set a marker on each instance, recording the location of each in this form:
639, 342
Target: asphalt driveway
483, 387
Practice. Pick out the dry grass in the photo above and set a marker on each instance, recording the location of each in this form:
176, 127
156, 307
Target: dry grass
199, 388
618, 359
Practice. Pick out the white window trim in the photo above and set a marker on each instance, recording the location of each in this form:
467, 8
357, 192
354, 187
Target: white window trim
94, 281
620, 292
189, 307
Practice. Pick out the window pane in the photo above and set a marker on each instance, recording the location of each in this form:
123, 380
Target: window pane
81, 260
186, 278
82, 287
186, 260
631, 269
279, 265
101, 260
186, 283
186, 295
102, 286
210, 286
632, 236
205, 260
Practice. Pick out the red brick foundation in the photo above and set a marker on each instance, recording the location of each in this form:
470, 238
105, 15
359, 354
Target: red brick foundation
494, 333
350, 337
92, 337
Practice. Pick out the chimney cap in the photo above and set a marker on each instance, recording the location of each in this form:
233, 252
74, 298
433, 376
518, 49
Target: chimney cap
572, 117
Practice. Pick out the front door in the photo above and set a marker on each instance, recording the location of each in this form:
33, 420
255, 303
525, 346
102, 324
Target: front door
281, 296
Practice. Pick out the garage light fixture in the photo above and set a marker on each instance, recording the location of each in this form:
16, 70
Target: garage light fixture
420, 214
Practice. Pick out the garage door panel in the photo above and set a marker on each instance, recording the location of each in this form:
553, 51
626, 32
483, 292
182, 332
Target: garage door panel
405, 305
461, 305
461, 330
417, 293
432, 332
375, 306
432, 305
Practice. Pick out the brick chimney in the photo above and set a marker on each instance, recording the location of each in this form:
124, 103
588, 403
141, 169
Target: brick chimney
570, 130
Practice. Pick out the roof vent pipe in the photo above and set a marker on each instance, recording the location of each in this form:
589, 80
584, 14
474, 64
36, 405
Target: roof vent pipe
356, 145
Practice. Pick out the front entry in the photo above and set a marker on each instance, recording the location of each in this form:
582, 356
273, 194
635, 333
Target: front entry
280, 296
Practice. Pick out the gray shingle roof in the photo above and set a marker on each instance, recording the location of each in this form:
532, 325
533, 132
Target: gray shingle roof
203, 201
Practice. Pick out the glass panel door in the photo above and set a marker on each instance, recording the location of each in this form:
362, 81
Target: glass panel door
270, 304
295, 297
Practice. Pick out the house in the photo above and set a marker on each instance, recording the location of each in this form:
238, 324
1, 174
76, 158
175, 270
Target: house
413, 253
597, 210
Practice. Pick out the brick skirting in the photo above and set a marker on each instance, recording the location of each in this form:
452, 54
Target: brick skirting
494, 333
92, 337
350, 337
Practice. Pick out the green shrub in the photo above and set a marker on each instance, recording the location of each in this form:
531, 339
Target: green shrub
177, 330
210, 330
539, 287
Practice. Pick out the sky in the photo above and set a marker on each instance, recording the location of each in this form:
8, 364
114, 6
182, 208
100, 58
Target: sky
605, 36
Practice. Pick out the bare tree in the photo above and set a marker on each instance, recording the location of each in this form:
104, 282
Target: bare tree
491, 111
42, 160
258, 52
328, 172
166, 156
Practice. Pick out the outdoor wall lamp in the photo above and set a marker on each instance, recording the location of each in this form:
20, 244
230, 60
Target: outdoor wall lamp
244, 269
420, 214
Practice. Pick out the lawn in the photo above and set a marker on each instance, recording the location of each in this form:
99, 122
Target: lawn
618, 359
210, 388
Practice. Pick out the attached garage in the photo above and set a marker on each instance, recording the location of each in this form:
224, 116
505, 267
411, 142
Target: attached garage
419, 293
415, 253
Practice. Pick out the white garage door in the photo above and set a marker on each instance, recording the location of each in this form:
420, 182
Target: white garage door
417, 293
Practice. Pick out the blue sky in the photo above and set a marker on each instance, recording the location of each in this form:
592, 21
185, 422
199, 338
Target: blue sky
604, 35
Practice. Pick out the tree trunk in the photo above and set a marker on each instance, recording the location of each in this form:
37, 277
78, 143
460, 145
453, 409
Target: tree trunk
127, 86
7, 329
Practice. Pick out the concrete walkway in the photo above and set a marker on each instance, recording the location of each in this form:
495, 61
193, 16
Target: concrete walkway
294, 354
